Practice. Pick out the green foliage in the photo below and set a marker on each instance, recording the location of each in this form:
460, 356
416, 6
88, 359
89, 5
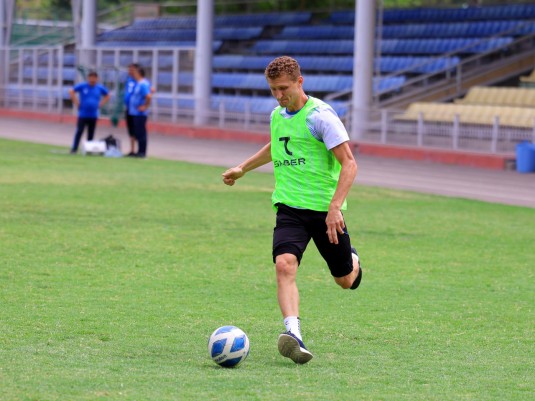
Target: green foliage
114, 272
60, 9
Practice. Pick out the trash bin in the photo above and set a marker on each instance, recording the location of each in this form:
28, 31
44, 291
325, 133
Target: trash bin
525, 157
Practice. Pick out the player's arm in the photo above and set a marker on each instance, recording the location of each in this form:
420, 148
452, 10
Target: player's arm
74, 98
104, 100
263, 156
146, 104
348, 173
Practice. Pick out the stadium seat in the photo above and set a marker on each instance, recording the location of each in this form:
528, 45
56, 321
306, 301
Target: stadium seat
499, 96
529, 78
471, 114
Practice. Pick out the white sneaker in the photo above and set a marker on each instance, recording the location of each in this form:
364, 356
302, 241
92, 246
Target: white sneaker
292, 347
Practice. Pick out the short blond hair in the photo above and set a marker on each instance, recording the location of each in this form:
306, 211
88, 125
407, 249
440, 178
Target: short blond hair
283, 65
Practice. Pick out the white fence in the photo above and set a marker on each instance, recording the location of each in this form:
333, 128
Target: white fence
391, 127
38, 78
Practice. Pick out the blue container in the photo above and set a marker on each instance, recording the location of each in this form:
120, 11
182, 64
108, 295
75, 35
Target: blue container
525, 157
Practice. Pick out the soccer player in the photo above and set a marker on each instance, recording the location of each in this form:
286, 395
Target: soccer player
314, 169
91, 97
138, 106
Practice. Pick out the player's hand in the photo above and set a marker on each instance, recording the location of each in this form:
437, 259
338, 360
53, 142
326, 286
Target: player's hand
335, 225
231, 175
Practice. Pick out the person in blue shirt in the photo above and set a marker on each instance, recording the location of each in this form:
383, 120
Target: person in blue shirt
91, 97
138, 106
128, 89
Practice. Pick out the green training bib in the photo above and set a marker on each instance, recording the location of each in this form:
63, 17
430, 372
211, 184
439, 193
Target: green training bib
306, 172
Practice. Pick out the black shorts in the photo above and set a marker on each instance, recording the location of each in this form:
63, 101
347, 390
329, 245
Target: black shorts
295, 228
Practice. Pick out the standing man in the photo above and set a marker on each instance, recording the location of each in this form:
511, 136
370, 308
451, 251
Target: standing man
138, 106
91, 97
128, 89
314, 169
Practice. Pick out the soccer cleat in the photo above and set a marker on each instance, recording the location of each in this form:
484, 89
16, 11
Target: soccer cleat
356, 283
292, 347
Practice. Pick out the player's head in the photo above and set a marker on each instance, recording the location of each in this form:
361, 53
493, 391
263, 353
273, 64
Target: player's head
131, 68
286, 83
138, 73
92, 77
283, 66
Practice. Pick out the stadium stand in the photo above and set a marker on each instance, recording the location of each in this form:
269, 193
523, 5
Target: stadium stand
414, 30
499, 96
431, 14
387, 46
412, 43
343, 64
473, 114
528, 81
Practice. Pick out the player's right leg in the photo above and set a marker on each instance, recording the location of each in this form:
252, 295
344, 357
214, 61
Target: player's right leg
290, 239
91, 125
80, 124
131, 134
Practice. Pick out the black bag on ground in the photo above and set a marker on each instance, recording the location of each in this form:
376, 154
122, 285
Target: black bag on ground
111, 142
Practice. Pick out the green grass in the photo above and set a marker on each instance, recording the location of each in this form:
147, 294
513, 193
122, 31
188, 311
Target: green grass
114, 272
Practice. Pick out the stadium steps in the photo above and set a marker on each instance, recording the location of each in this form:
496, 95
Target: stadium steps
499, 96
472, 114
528, 81
487, 74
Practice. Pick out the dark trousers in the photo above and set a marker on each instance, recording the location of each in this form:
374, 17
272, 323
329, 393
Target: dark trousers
139, 124
129, 124
82, 122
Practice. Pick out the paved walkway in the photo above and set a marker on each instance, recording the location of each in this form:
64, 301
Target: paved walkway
507, 187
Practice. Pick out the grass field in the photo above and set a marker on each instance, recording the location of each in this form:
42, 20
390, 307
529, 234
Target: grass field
114, 272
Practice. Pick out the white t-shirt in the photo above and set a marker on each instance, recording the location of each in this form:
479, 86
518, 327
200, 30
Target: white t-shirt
324, 124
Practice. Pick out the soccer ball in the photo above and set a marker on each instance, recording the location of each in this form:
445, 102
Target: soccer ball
228, 346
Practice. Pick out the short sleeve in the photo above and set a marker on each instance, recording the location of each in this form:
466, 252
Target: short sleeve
327, 127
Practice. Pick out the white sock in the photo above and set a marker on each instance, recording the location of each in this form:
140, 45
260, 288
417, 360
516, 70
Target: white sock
292, 324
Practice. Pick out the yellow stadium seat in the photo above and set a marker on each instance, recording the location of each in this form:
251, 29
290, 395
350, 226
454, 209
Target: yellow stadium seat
499, 96
522, 117
529, 78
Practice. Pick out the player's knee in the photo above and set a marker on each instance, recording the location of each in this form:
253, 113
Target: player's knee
344, 282
286, 265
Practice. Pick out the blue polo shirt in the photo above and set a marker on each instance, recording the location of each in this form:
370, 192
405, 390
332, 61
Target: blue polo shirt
90, 97
128, 89
138, 97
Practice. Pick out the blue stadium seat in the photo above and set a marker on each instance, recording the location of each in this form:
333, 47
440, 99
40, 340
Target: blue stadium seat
216, 44
391, 15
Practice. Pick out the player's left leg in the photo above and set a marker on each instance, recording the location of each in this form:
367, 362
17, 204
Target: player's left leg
80, 125
91, 125
342, 258
140, 124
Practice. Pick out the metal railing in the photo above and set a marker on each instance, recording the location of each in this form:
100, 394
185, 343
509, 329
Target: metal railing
35, 78
455, 78
452, 76
391, 127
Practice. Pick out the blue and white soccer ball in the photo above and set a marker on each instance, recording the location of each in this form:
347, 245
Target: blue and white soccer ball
228, 346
